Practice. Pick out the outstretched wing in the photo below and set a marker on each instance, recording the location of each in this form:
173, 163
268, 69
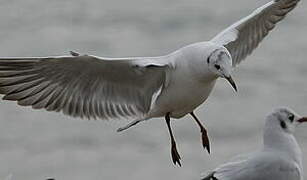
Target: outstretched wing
245, 35
83, 86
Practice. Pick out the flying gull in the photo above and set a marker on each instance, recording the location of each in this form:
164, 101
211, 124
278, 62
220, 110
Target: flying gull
138, 88
280, 157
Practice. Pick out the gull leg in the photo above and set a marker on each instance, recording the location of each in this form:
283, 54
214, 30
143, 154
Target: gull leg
175, 155
133, 123
205, 138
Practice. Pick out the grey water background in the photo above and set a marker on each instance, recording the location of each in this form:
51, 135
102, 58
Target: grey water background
35, 144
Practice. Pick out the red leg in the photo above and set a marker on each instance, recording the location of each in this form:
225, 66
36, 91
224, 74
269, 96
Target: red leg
175, 155
205, 138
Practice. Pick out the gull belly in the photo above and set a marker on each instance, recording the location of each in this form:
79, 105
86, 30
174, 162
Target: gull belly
180, 100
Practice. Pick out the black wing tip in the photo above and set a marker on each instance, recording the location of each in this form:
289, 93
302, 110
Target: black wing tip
74, 53
288, 1
210, 177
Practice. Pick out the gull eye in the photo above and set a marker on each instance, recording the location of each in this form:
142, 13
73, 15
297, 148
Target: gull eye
291, 117
218, 67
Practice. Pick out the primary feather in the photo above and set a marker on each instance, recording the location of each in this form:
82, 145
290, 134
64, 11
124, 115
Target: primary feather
82, 86
244, 36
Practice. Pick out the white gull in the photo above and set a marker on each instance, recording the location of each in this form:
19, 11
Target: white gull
280, 157
138, 88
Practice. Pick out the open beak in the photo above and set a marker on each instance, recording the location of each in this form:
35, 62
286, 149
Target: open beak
301, 120
231, 81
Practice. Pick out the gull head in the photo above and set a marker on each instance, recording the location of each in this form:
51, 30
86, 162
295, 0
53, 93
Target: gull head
220, 63
285, 120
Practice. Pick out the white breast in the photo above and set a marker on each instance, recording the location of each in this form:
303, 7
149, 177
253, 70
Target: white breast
189, 85
189, 98
180, 100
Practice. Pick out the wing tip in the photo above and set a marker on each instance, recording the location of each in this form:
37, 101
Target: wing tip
210, 177
74, 53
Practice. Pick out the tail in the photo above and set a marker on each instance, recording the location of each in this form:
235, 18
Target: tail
133, 123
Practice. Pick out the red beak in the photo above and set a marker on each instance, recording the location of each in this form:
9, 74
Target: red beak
303, 119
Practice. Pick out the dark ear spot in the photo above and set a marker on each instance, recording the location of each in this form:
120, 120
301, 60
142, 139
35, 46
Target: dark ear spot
208, 59
218, 67
283, 124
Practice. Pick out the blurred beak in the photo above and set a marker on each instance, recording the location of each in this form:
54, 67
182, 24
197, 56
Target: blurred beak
231, 81
302, 120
